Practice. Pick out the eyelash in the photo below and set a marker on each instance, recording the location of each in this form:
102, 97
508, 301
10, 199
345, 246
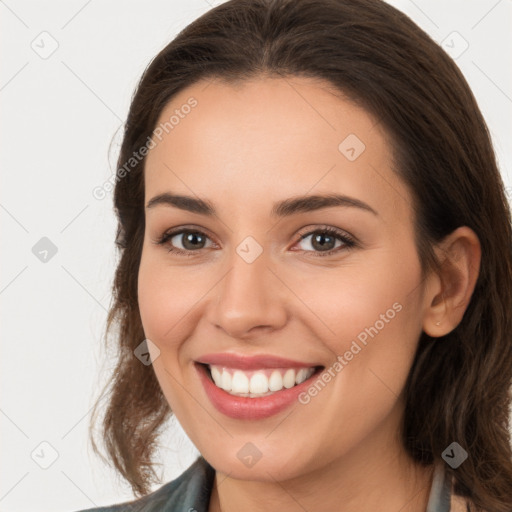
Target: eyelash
348, 241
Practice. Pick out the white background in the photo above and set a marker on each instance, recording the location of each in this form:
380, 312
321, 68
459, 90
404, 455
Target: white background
59, 116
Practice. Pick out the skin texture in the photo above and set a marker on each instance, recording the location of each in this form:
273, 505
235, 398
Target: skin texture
244, 147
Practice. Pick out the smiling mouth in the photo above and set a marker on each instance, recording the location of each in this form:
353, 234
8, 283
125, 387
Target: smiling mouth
257, 383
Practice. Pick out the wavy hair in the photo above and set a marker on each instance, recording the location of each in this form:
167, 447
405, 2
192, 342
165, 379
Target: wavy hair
459, 386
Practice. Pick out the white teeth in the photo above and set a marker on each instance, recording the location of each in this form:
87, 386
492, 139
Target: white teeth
275, 383
240, 382
301, 376
258, 383
216, 376
226, 381
289, 378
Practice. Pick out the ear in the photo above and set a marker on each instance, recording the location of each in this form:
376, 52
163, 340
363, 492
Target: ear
448, 294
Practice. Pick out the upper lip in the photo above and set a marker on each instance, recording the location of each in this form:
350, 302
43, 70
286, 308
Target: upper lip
245, 362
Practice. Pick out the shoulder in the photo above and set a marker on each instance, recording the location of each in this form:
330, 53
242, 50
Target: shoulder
190, 492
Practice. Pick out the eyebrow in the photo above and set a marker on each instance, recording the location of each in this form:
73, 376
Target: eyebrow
284, 208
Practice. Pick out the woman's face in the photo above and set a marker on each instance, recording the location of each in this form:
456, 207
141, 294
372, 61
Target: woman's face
247, 285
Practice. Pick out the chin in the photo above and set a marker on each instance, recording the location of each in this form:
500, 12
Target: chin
247, 464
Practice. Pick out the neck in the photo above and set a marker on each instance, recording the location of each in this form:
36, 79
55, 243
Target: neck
377, 475
388, 492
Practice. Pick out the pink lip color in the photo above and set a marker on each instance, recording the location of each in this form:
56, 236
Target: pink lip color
244, 408
252, 362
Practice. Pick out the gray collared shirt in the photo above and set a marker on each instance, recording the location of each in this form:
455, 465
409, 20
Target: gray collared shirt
191, 491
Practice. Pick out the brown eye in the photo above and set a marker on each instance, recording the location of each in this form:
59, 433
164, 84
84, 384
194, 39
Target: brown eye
322, 242
191, 241
326, 241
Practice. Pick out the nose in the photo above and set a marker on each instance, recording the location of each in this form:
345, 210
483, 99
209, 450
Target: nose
251, 301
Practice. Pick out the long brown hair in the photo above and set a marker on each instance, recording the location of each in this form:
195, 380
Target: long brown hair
458, 387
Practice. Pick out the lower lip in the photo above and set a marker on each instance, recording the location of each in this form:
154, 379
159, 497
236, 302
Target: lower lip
244, 408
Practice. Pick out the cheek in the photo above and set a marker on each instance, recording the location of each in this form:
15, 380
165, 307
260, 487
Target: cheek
372, 320
157, 309
351, 306
167, 297
378, 301
373, 341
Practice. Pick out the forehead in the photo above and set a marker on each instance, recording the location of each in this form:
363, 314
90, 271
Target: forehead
259, 141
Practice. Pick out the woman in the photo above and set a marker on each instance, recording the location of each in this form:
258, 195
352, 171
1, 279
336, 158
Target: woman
316, 259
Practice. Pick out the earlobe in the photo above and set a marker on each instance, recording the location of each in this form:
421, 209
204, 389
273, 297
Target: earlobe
451, 290
434, 320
